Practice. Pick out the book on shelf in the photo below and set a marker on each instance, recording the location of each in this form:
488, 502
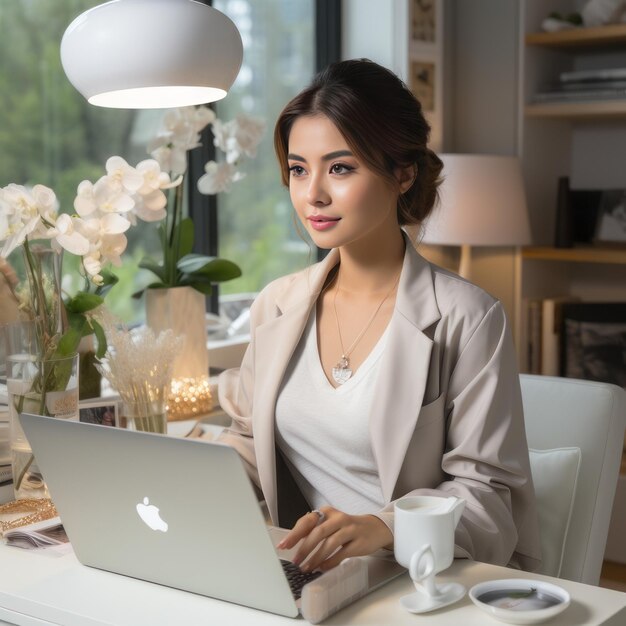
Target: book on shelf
531, 338
542, 324
551, 327
593, 75
585, 85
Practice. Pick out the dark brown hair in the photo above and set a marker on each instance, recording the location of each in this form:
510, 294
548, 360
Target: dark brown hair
382, 122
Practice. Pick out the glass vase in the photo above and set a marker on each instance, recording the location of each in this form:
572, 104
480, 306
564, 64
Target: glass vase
148, 416
44, 302
183, 310
44, 387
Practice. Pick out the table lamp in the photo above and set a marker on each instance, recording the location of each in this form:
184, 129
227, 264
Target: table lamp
151, 54
482, 203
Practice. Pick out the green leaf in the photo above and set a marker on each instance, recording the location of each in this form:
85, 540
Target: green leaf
139, 293
108, 280
211, 268
193, 262
201, 286
101, 337
68, 344
149, 264
184, 234
83, 302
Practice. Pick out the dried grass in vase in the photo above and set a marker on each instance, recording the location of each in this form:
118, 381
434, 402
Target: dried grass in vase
138, 365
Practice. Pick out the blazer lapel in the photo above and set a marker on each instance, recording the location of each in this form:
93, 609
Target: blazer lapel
276, 341
404, 369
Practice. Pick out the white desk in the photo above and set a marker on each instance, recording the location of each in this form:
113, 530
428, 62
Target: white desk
40, 587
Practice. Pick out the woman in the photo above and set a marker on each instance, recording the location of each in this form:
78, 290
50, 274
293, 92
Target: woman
374, 374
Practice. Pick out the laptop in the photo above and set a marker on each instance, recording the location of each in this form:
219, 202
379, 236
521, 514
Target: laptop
182, 513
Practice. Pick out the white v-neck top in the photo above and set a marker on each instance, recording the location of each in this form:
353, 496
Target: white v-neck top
323, 431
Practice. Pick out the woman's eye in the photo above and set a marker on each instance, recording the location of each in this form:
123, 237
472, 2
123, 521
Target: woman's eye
296, 170
340, 168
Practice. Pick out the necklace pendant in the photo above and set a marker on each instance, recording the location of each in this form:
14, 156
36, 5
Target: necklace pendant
342, 371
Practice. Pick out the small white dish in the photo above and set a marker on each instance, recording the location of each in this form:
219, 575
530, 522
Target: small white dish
420, 602
520, 600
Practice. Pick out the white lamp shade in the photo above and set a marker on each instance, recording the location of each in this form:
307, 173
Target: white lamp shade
483, 203
151, 54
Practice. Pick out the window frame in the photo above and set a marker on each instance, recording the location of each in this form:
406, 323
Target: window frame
202, 208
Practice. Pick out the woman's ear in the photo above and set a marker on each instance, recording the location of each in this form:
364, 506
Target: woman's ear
406, 177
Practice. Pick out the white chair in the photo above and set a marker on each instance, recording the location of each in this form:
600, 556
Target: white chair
575, 431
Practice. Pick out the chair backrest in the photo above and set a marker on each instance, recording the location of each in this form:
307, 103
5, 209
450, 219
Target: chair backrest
591, 416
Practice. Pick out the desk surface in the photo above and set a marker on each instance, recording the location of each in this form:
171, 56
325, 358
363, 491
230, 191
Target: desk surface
46, 587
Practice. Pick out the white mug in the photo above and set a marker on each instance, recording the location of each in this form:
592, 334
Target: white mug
424, 535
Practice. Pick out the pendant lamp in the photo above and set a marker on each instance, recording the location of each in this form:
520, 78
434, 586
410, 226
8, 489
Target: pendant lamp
147, 54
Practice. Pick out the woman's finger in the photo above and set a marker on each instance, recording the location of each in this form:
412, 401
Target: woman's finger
301, 529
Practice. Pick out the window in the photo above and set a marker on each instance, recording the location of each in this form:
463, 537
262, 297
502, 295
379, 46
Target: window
256, 224
50, 135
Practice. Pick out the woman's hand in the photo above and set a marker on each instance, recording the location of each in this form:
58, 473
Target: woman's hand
328, 540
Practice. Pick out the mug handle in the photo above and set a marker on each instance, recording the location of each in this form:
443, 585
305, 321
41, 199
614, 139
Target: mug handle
422, 570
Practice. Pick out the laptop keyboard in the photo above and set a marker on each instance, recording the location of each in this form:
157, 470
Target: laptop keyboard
297, 578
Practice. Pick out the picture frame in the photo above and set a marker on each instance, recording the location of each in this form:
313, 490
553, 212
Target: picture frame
423, 20
423, 77
611, 219
423, 71
593, 341
102, 412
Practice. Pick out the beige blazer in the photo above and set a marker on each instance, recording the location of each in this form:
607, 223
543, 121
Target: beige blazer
447, 415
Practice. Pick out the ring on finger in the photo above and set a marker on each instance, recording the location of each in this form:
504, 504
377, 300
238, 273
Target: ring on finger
320, 515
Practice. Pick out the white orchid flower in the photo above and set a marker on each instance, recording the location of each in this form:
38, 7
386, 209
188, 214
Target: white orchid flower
151, 207
66, 235
46, 202
93, 266
113, 247
110, 197
85, 201
238, 137
123, 174
248, 132
203, 116
23, 210
146, 214
221, 134
112, 224
162, 154
218, 177
150, 170
16, 235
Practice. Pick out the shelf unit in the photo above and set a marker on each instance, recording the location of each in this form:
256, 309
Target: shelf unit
554, 142
585, 140
591, 110
611, 256
579, 40
596, 37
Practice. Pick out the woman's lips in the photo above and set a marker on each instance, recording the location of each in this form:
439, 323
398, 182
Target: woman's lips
322, 222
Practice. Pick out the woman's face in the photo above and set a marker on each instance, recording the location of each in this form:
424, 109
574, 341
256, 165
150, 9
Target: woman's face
337, 198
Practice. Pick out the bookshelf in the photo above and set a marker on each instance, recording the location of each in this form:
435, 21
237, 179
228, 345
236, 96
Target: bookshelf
589, 254
597, 37
596, 110
565, 139
494, 112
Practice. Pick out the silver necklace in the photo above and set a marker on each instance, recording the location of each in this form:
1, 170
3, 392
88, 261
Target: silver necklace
342, 371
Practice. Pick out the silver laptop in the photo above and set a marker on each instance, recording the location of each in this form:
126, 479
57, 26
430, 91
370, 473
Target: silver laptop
181, 513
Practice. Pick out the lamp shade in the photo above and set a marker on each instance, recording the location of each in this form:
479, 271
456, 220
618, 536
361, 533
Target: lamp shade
483, 203
144, 54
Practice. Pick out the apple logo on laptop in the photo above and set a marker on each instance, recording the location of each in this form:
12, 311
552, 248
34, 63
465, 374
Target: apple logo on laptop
150, 515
